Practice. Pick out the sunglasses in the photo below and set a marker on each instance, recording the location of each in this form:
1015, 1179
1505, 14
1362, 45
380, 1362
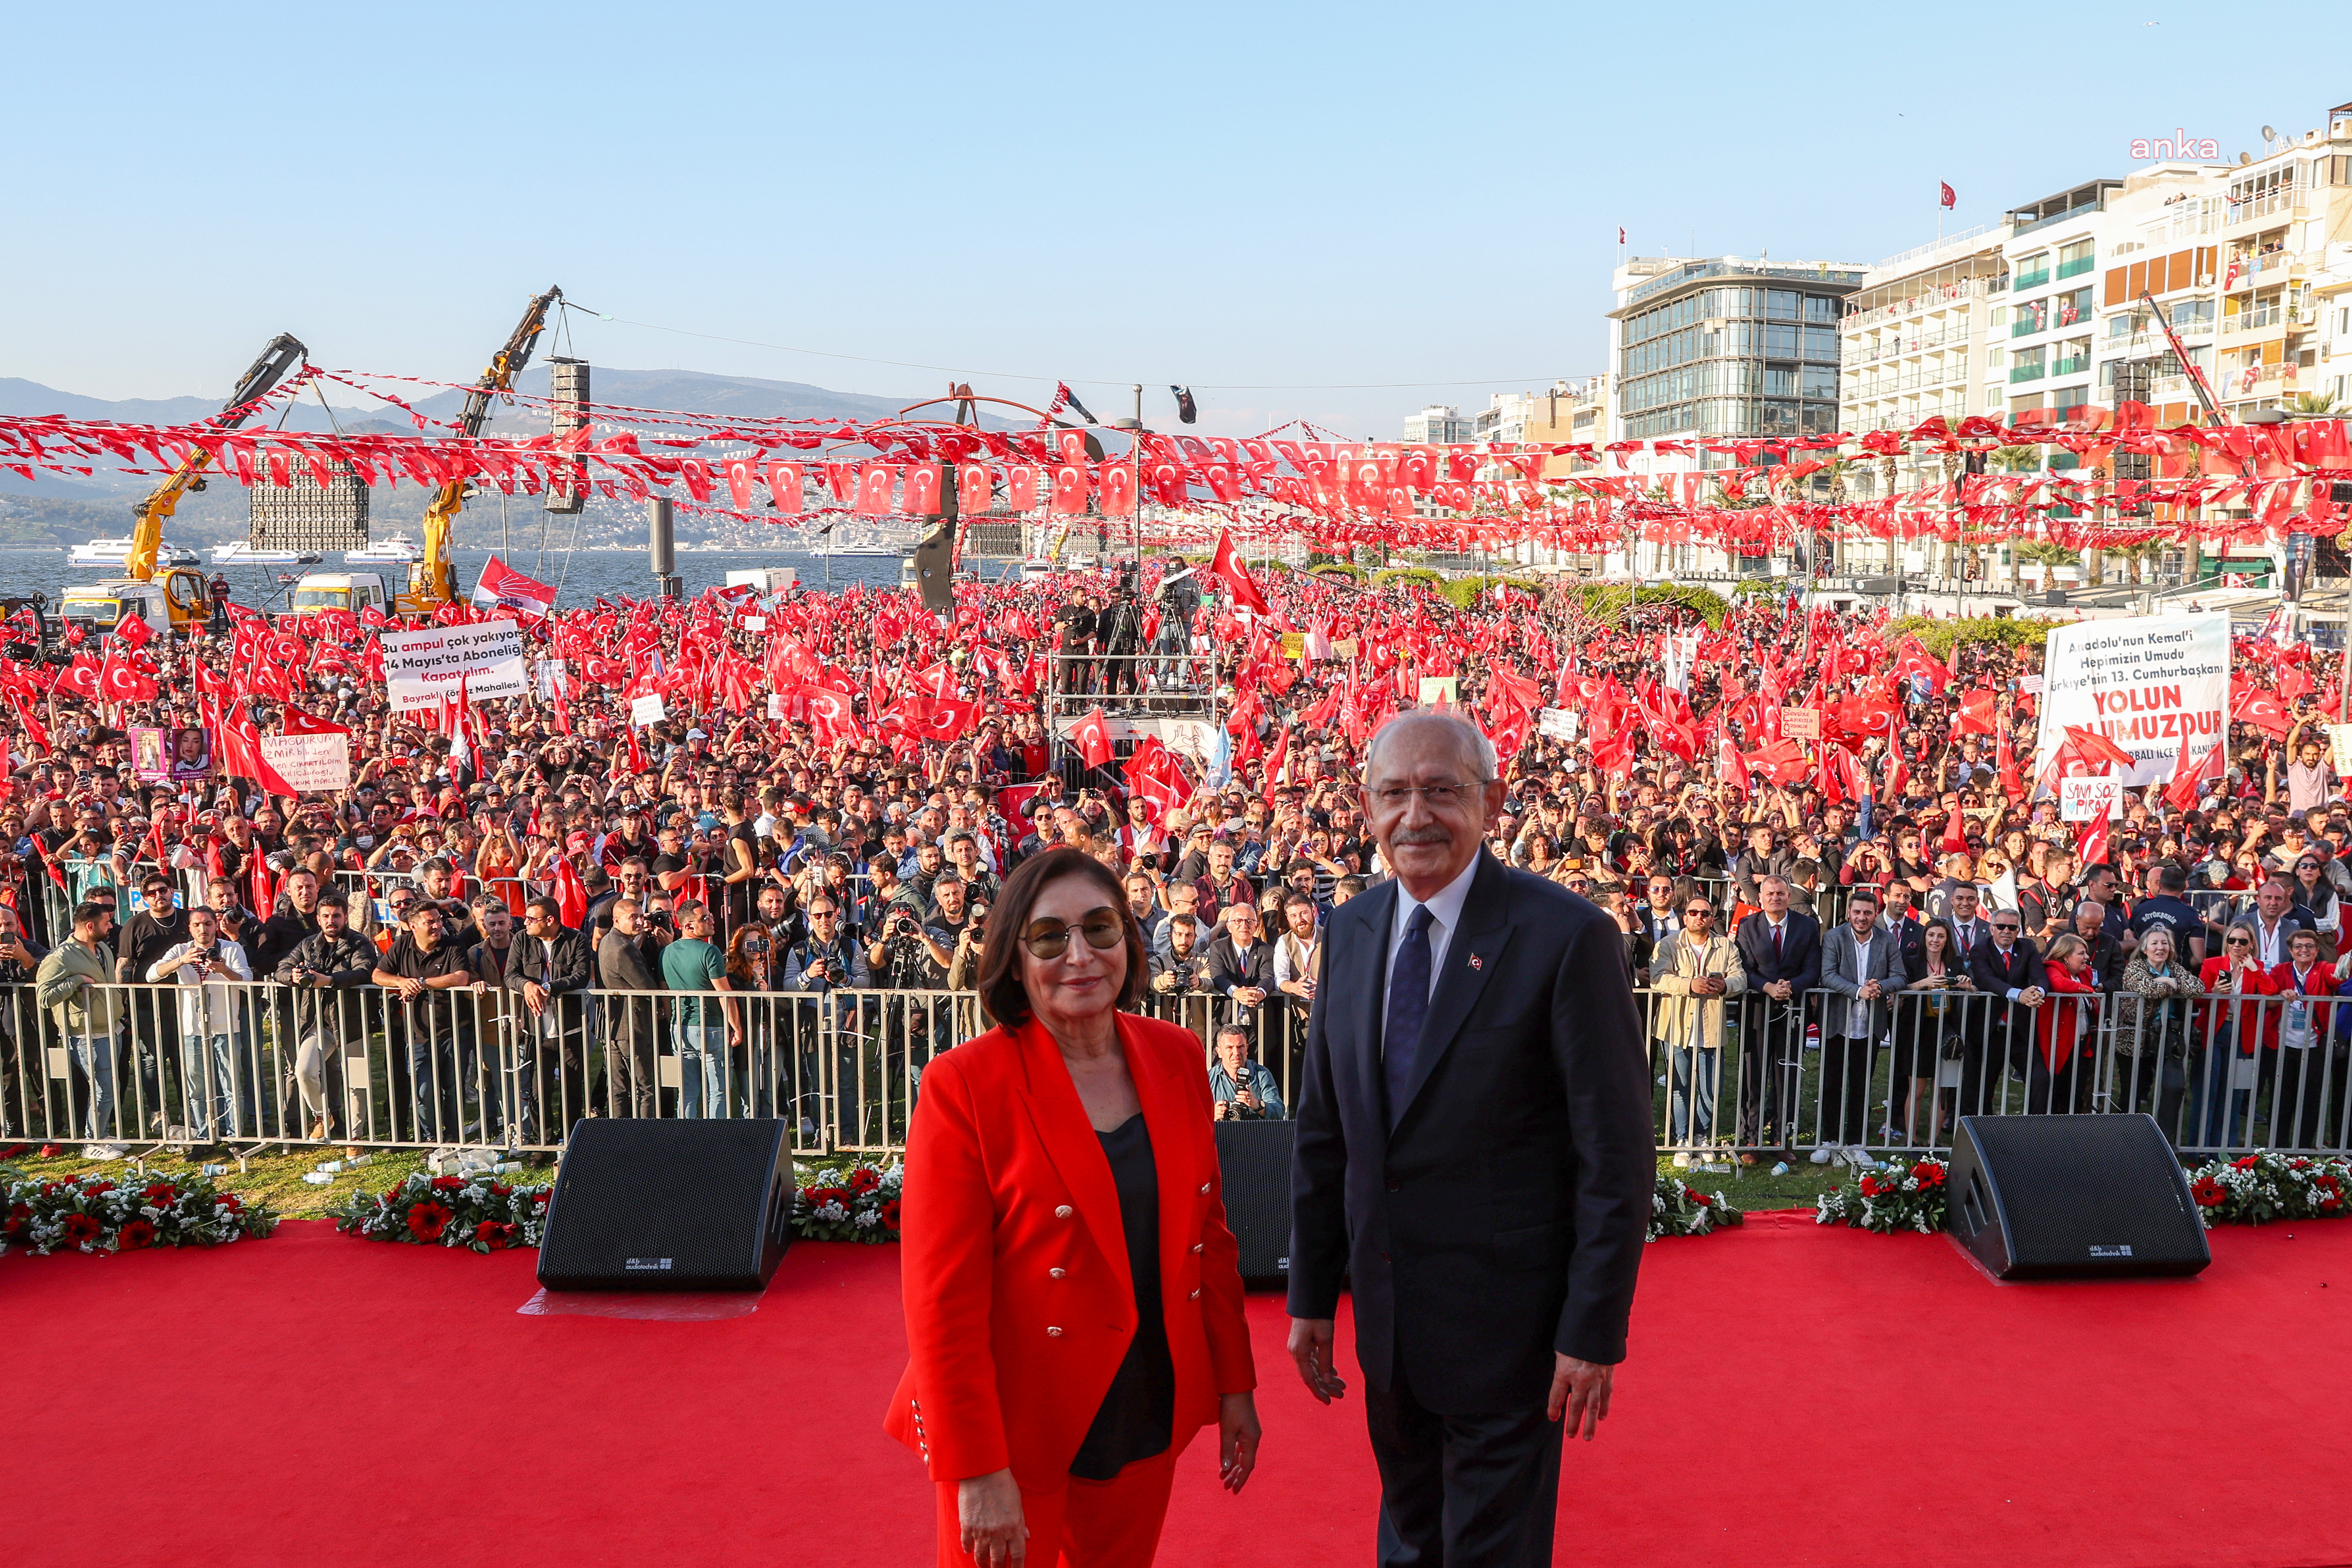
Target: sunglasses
1050, 938
1999, 926
1698, 912
2237, 942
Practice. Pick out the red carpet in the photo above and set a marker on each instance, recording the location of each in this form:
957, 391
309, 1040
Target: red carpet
1796, 1395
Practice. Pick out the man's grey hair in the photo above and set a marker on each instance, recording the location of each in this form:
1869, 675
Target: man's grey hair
1478, 751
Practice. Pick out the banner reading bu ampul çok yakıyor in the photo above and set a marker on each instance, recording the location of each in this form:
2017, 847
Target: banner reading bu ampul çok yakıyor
422, 668
2155, 685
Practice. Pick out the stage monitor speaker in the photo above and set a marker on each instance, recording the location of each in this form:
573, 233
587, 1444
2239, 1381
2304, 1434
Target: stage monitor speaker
641, 1204
934, 560
2052, 1198
1254, 1158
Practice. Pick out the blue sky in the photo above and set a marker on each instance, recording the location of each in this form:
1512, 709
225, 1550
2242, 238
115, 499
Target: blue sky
1325, 212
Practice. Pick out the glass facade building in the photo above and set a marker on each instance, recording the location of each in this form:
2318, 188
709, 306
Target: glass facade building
1725, 348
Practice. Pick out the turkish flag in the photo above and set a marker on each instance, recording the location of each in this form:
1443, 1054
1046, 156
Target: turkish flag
947, 722
1946, 198
2096, 748
1976, 713
570, 894
972, 489
1093, 736
2181, 793
80, 677
120, 681
784, 486
2254, 705
1228, 566
133, 631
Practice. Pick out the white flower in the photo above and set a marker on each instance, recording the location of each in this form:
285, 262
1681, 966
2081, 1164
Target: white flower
867, 1220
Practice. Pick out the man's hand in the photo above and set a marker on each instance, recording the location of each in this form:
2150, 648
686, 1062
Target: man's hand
534, 996
1779, 989
1310, 1349
1579, 1388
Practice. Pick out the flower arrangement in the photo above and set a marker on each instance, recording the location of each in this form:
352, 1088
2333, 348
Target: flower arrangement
1902, 1197
477, 1212
847, 1201
124, 1213
2255, 1189
1677, 1209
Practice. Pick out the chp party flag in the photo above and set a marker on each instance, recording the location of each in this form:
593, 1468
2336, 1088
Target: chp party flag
502, 584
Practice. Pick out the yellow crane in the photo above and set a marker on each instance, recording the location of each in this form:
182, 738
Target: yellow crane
179, 598
431, 583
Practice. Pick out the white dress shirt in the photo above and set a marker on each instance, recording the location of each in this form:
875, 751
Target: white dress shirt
1444, 919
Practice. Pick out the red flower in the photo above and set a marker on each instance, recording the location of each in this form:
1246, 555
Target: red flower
22, 1211
11, 1225
230, 1201
2209, 1192
1929, 1172
1870, 1187
50, 1151
832, 1196
2248, 1163
539, 1198
137, 1234
94, 1192
2297, 1164
492, 1233
2329, 1206
890, 1214
81, 1227
1694, 1196
162, 1194
2327, 1182
446, 1184
500, 1189
865, 1179
808, 1196
427, 1221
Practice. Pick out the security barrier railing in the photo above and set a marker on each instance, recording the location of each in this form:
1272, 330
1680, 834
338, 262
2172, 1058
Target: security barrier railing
228, 1062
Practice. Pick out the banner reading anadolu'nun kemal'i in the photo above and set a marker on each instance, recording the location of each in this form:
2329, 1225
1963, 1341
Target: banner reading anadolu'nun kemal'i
2148, 683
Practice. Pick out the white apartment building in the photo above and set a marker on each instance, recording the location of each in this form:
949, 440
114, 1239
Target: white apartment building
1438, 424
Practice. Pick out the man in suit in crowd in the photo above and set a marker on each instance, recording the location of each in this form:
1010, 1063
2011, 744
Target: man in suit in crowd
1781, 951
2006, 971
1474, 1146
1861, 961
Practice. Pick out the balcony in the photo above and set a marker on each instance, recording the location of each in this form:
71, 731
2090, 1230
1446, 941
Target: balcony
2027, 372
2028, 326
2070, 367
2021, 282
2289, 199
2245, 321
2077, 266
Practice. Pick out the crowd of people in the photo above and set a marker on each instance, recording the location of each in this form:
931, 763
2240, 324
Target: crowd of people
1868, 933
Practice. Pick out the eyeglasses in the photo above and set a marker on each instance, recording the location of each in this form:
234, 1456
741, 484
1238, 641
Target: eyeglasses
2237, 942
1050, 938
1437, 797
1698, 912
2000, 926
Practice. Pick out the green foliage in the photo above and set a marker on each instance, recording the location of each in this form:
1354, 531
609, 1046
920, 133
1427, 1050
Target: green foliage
1392, 576
2006, 631
1677, 1208
1606, 601
1749, 586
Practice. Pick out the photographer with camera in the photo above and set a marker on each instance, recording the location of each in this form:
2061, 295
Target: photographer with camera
1120, 629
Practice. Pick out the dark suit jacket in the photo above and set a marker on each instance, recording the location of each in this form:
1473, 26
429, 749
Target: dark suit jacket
1800, 960
1497, 1216
1994, 975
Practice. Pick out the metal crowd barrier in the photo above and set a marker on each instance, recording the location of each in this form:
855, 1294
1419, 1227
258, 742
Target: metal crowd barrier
247, 1063
250, 1063
1746, 1074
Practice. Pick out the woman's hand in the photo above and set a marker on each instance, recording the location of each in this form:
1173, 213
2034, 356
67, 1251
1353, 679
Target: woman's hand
1237, 1440
988, 1509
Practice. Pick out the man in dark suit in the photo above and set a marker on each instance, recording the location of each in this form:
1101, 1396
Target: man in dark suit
1475, 1145
2007, 973
1781, 950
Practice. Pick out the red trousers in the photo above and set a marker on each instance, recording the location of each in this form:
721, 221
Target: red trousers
1086, 1524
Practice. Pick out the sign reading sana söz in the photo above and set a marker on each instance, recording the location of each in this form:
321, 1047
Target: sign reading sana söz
2155, 685
422, 668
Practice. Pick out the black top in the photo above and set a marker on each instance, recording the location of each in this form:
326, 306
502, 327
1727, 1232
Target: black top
1138, 1417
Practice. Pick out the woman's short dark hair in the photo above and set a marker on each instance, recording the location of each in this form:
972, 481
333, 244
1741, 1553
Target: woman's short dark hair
1000, 985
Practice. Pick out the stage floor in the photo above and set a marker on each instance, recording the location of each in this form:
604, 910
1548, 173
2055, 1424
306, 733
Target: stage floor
1794, 1396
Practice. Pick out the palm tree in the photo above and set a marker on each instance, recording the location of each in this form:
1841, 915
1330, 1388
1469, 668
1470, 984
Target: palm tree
2046, 553
2137, 556
2311, 403
2016, 459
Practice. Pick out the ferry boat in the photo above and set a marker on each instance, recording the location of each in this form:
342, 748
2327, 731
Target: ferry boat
243, 554
397, 551
114, 554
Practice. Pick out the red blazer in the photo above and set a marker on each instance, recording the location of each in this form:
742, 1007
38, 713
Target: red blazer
2257, 983
2320, 981
2054, 1021
1020, 1304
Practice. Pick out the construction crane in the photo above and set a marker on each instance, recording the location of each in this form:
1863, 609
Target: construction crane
284, 352
431, 583
174, 599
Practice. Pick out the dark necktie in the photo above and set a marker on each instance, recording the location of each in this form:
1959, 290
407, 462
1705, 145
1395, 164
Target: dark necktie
1408, 1009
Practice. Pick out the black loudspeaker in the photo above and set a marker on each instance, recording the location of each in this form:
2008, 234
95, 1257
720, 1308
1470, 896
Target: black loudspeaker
935, 569
2064, 1197
668, 1205
1253, 1160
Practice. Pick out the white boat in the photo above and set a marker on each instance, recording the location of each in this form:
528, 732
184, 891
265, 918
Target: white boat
114, 554
244, 554
398, 551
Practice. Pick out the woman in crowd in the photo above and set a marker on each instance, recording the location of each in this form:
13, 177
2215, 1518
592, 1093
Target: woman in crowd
1045, 1162
2064, 1064
2313, 893
2300, 1040
2152, 1018
2233, 1030
1928, 1023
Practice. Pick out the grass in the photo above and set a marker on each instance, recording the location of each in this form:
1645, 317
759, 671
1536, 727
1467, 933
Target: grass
274, 1178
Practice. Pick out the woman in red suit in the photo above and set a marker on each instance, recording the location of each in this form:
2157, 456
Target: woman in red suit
1074, 1299
2063, 1073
